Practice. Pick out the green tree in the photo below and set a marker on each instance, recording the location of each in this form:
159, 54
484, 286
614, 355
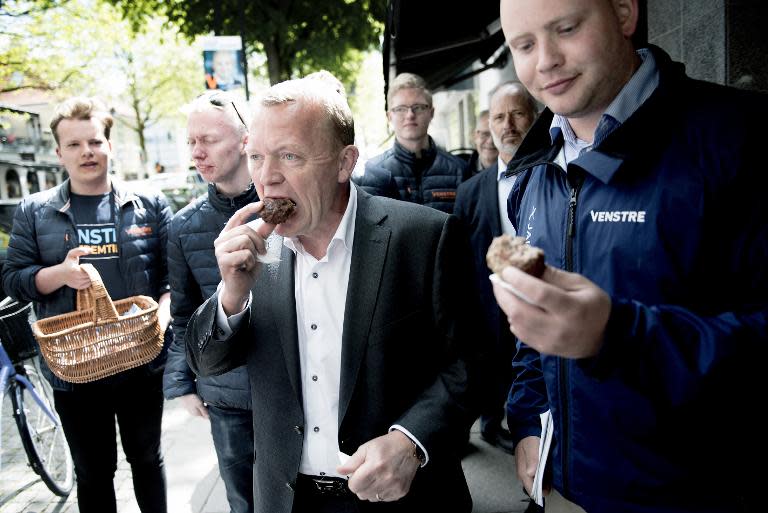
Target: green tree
153, 72
86, 47
296, 36
36, 49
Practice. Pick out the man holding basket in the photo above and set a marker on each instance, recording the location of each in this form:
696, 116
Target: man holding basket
91, 218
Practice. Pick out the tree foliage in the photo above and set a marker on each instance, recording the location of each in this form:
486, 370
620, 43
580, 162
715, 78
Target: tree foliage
36, 52
157, 71
297, 36
85, 47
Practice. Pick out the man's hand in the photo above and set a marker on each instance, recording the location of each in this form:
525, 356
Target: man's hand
567, 315
194, 405
237, 248
526, 460
382, 469
68, 273
72, 273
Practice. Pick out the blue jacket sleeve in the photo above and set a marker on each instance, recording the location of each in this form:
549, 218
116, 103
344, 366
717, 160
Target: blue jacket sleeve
676, 348
164, 222
528, 394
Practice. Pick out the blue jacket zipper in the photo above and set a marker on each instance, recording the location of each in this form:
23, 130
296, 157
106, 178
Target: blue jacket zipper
575, 180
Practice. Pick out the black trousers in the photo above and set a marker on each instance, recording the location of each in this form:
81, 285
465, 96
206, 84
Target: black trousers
88, 414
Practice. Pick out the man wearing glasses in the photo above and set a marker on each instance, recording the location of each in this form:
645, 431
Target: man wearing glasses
216, 136
485, 153
414, 169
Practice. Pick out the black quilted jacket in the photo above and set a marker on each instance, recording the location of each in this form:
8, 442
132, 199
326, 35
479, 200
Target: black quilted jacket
44, 231
194, 276
431, 180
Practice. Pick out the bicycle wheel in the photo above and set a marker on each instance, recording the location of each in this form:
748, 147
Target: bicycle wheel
43, 439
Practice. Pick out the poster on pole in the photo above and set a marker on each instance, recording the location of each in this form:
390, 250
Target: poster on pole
223, 63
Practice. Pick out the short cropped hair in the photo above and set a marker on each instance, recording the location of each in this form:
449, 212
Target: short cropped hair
81, 107
232, 105
322, 93
330, 79
515, 88
408, 81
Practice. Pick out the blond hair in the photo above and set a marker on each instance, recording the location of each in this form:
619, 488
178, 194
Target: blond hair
408, 81
81, 107
319, 91
230, 104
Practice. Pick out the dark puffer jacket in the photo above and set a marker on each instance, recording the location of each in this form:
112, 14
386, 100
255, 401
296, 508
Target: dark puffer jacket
194, 276
44, 231
431, 180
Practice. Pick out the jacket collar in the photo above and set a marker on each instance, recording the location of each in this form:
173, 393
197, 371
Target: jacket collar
223, 203
408, 157
61, 196
628, 142
537, 146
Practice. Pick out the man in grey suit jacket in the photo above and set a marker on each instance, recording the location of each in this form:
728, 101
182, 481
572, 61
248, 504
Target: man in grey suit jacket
357, 341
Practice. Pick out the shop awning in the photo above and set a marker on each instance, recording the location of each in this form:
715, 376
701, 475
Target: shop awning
441, 51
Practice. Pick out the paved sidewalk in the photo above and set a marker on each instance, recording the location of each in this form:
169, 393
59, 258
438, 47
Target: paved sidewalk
194, 485
191, 471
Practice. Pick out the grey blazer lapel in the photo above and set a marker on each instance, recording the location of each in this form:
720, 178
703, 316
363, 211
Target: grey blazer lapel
368, 255
283, 300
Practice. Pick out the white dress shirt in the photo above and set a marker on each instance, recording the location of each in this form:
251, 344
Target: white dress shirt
504, 188
321, 291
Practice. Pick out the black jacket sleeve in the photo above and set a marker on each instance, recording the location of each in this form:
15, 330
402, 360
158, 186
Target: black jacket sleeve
178, 378
378, 181
22, 262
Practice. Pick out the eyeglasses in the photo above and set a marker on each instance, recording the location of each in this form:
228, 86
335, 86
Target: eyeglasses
216, 100
416, 108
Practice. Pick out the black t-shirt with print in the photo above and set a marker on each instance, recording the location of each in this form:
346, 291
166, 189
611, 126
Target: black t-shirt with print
95, 222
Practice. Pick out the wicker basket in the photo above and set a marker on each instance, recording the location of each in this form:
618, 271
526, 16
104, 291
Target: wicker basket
99, 339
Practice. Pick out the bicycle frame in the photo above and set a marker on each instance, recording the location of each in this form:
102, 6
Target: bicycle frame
8, 373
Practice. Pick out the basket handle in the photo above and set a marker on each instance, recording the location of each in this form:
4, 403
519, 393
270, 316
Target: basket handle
96, 297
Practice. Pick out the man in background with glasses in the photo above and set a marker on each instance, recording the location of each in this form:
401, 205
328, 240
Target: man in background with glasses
216, 136
414, 169
485, 153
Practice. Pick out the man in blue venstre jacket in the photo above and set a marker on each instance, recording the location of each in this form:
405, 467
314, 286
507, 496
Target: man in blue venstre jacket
646, 334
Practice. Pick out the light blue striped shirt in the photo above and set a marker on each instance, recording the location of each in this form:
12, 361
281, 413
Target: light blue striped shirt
632, 95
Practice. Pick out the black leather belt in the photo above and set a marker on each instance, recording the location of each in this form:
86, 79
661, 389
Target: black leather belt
323, 485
